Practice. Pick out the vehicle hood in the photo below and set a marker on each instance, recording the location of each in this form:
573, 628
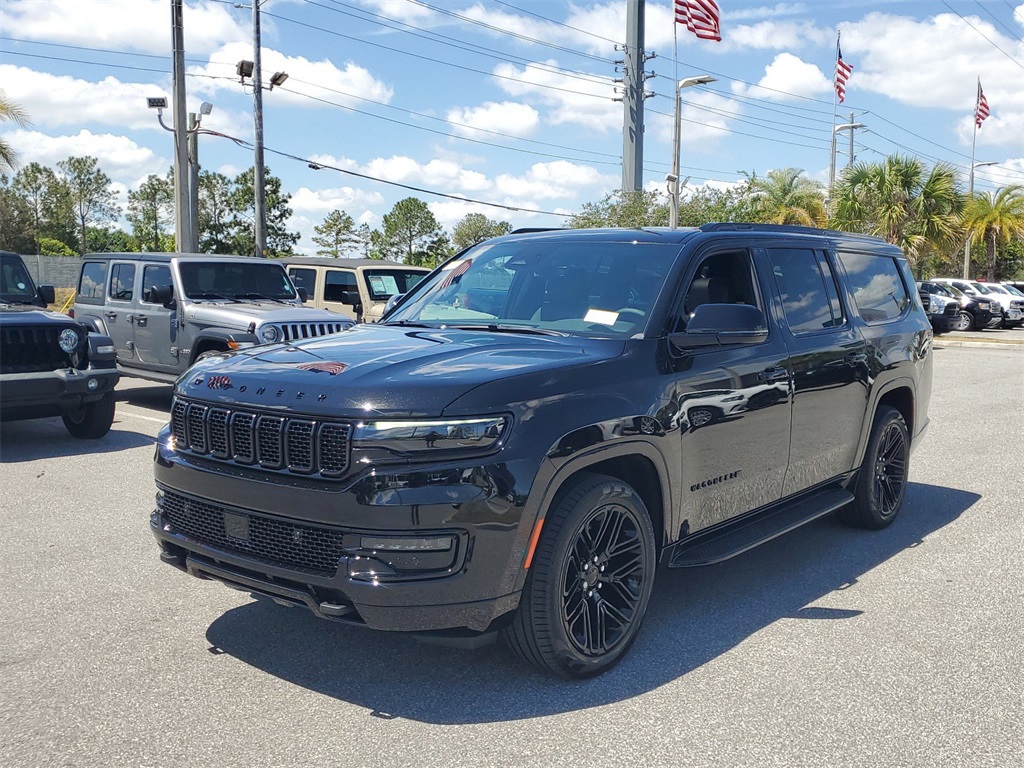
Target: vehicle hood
243, 313
24, 314
384, 370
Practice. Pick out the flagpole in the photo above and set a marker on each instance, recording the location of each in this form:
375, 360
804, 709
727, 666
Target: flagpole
970, 184
832, 138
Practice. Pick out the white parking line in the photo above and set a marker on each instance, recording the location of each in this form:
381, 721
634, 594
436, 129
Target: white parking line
134, 415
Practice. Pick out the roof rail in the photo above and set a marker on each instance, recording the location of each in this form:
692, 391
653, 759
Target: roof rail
739, 226
527, 230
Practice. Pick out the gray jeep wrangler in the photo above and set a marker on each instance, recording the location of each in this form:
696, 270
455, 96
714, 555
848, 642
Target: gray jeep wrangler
164, 311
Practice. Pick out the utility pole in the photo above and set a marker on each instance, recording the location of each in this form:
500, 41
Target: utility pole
633, 99
182, 213
851, 127
259, 189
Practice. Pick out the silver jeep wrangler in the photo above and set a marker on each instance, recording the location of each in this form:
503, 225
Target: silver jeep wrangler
166, 310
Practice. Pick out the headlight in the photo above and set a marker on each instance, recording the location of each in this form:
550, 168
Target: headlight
391, 440
67, 340
938, 303
269, 334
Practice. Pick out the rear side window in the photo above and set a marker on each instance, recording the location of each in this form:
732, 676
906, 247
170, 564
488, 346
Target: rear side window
339, 280
809, 297
876, 284
92, 281
122, 282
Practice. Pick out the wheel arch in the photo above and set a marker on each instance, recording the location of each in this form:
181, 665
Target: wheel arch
219, 340
900, 394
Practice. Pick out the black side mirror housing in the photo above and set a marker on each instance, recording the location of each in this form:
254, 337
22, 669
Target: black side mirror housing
46, 294
350, 298
717, 324
303, 294
159, 294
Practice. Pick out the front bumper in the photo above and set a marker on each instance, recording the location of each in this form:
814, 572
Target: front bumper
46, 393
306, 542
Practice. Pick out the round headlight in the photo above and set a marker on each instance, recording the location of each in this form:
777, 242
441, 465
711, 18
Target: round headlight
269, 334
68, 340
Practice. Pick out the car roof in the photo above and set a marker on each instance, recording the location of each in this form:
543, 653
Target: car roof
163, 257
324, 261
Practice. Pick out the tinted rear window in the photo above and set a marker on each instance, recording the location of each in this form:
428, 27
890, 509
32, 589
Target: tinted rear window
92, 281
876, 284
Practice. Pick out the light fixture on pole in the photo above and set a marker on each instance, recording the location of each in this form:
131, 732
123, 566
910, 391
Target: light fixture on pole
970, 196
277, 78
673, 178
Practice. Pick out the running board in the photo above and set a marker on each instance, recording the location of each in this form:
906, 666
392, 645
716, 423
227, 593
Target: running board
731, 540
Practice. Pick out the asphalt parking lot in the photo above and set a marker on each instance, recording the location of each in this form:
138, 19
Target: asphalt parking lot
827, 647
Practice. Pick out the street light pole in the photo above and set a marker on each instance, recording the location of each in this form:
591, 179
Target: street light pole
688, 82
194, 121
259, 188
970, 196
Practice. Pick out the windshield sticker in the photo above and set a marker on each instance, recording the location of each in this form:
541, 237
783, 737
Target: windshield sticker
381, 284
601, 317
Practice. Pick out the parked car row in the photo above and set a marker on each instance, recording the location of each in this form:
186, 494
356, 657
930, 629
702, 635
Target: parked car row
969, 305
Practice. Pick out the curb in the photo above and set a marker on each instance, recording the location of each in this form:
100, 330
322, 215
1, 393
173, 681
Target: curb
983, 344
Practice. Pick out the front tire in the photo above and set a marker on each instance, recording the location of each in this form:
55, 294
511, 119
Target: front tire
964, 321
590, 581
882, 479
91, 421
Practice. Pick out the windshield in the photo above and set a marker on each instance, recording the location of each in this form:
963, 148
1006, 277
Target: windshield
1012, 291
15, 284
574, 287
234, 280
385, 283
981, 289
996, 289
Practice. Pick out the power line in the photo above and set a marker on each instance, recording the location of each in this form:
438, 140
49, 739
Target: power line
997, 20
559, 23
991, 42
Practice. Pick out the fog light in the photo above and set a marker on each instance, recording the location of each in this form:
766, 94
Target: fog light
426, 544
92, 384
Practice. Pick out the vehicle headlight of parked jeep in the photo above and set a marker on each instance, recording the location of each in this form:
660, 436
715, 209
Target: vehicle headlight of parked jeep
269, 334
394, 440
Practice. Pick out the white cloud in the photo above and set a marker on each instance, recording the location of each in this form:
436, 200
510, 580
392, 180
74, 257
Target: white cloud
560, 179
119, 157
570, 100
508, 117
786, 78
320, 79
139, 25
775, 35
320, 202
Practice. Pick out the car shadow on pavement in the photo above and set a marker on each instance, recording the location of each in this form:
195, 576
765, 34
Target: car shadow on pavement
695, 615
47, 438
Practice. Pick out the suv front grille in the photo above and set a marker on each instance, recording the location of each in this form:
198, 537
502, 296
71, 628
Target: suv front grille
30, 349
307, 548
282, 443
294, 331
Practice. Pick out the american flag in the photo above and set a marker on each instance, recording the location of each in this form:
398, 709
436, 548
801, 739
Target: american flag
700, 17
455, 273
843, 71
981, 110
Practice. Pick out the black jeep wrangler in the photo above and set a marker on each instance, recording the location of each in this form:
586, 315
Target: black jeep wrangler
51, 365
545, 418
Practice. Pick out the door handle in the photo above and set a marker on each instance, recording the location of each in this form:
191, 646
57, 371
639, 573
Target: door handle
140, 321
855, 358
773, 375
111, 315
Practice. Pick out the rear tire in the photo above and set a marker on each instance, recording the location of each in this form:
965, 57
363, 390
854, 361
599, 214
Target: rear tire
92, 420
590, 581
882, 480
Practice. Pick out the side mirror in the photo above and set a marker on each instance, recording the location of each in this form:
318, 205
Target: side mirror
349, 298
303, 294
716, 324
46, 294
392, 301
159, 294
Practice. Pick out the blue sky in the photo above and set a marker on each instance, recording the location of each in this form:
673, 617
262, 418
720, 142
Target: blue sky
511, 102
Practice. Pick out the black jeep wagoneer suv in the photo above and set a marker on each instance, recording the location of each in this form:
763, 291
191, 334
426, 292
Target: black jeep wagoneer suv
543, 419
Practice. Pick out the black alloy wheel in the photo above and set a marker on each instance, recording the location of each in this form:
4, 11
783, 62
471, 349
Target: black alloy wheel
882, 480
588, 587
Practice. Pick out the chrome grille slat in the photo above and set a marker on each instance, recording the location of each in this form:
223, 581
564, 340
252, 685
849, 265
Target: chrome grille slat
272, 442
297, 331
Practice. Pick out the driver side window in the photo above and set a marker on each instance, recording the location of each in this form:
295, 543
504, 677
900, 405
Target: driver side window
721, 278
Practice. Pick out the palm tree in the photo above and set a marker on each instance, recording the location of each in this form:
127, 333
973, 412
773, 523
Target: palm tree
13, 112
995, 219
786, 196
900, 201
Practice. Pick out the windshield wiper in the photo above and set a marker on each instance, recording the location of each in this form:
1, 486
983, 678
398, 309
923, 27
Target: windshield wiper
261, 296
507, 328
409, 324
232, 299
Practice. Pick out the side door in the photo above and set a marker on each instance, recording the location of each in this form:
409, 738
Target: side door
732, 402
828, 357
119, 311
337, 282
156, 327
